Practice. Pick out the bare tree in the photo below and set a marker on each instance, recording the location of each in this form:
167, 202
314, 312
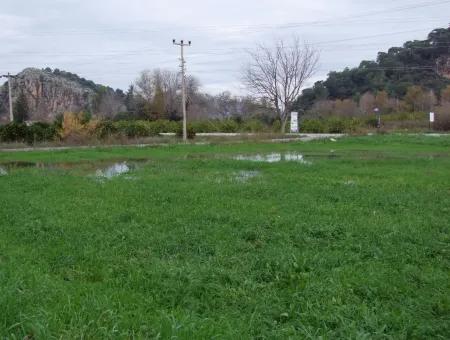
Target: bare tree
225, 104
171, 84
160, 90
278, 73
145, 85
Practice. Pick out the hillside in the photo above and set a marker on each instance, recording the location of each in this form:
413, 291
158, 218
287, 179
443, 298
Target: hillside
425, 63
52, 92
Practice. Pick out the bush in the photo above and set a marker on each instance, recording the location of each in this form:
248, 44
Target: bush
133, 129
372, 122
205, 126
313, 126
442, 122
41, 132
58, 121
76, 128
253, 126
276, 126
164, 126
190, 131
13, 132
336, 125
228, 126
105, 129
121, 116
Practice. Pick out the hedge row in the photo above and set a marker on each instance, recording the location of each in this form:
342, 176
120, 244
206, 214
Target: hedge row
44, 132
20, 132
336, 125
134, 129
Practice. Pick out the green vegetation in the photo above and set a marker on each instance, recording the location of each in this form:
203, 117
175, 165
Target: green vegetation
21, 109
412, 78
394, 72
20, 132
353, 245
80, 129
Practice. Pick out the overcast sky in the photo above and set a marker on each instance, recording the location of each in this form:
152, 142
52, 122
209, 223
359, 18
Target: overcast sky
111, 41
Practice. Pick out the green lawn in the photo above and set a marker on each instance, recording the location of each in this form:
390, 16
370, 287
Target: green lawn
194, 244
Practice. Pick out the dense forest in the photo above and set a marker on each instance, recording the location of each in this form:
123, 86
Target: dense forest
420, 63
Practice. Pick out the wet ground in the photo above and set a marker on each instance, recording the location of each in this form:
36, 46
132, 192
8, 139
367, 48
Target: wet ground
274, 158
100, 169
113, 168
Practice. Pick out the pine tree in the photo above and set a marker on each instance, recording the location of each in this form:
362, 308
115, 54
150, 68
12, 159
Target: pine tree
158, 104
130, 101
21, 109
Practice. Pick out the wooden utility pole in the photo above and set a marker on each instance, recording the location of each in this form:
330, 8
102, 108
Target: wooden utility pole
9, 76
183, 85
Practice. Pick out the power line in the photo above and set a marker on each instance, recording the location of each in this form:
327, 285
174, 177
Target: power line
250, 27
216, 51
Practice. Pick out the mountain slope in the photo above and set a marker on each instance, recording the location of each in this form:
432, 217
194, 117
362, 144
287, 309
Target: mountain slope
49, 93
422, 62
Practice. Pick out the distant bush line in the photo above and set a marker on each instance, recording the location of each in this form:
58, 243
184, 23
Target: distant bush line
79, 128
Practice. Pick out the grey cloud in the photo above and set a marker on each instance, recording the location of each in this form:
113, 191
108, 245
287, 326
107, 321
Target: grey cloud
111, 41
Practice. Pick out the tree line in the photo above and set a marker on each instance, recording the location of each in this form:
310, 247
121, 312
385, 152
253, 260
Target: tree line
410, 78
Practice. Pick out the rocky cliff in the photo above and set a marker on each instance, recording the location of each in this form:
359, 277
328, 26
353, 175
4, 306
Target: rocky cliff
443, 66
49, 93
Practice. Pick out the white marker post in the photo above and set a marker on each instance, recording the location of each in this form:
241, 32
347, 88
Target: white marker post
294, 122
377, 112
431, 119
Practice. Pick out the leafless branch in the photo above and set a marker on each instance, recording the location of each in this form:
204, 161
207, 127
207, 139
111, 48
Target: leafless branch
280, 72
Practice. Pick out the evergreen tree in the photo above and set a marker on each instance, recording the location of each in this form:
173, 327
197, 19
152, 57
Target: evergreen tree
394, 71
158, 104
130, 101
21, 109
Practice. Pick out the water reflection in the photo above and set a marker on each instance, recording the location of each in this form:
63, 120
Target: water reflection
274, 158
98, 169
115, 170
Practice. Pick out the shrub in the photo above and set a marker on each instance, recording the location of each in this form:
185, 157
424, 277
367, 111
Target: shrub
313, 126
75, 127
253, 125
442, 122
121, 116
276, 126
133, 129
163, 126
84, 117
229, 126
190, 131
13, 132
405, 116
372, 122
205, 126
40, 132
58, 121
336, 125
105, 129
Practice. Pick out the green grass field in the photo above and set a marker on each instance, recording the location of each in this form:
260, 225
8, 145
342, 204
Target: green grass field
194, 244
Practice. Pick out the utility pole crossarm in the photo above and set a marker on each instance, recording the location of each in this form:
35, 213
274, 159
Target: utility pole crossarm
182, 44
